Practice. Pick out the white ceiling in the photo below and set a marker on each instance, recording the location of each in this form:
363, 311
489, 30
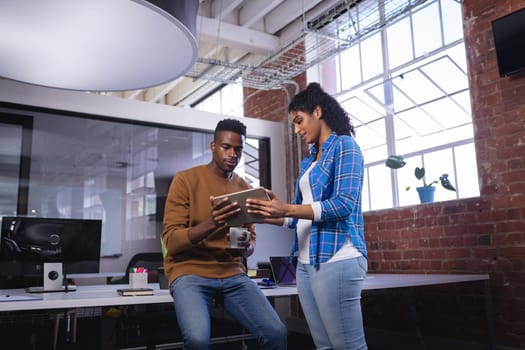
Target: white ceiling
262, 44
238, 38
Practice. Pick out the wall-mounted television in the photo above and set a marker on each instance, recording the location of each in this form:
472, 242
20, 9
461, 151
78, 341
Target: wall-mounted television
509, 41
47, 249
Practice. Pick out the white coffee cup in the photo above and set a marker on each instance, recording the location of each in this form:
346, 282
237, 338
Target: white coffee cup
236, 235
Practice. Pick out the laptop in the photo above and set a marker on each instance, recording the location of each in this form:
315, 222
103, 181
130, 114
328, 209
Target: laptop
283, 270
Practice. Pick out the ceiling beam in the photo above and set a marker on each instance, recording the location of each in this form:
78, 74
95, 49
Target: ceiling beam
155, 93
189, 91
222, 8
282, 15
230, 35
294, 28
253, 11
131, 95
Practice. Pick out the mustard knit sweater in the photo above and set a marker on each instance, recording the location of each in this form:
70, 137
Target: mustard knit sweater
188, 204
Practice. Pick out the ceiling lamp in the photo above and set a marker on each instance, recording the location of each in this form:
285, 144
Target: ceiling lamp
97, 45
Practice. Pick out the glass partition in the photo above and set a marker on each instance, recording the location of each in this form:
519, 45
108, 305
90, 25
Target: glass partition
94, 168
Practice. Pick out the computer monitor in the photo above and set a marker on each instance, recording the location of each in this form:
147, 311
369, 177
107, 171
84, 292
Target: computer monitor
508, 33
47, 249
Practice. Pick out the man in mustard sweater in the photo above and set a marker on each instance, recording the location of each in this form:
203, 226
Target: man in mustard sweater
199, 265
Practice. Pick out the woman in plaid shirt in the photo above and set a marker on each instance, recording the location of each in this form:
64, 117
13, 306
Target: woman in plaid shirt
327, 217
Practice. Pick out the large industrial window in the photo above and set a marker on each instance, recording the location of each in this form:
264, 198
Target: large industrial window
228, 100
405, 87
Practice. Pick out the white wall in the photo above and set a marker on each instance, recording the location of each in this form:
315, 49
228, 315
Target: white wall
271, 240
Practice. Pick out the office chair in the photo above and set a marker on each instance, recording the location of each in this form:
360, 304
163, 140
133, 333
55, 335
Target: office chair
151, 261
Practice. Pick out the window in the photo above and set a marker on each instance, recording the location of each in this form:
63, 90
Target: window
412, 100
228, 101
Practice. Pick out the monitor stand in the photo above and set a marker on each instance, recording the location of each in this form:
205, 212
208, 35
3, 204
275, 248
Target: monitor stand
54, 280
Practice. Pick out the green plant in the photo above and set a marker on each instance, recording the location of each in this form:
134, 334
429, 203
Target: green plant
419, 173
396, 162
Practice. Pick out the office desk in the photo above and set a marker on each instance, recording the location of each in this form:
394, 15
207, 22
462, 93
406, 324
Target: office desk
102, 295
106, 295
378, 281
390, 281
84, 296
397, 280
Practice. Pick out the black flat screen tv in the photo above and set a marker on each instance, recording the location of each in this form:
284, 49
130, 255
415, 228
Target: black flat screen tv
509, 41
27, 244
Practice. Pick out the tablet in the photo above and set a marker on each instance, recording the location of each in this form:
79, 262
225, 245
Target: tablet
240, 197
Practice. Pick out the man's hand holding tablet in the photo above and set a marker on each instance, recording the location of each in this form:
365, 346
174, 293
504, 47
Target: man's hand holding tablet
240, 197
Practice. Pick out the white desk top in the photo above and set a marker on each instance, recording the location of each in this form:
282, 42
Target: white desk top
84, 296
394, 280
401, 280
106, 295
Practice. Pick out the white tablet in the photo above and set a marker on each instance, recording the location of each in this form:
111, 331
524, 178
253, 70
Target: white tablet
240, 197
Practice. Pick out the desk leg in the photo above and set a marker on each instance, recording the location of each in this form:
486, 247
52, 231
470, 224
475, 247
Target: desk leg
74, 330
70, 327
490, 315
55, 333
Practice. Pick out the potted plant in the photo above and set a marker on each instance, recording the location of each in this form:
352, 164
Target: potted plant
425, 192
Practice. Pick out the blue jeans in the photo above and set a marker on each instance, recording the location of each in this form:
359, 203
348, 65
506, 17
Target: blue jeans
241, 298
331, 301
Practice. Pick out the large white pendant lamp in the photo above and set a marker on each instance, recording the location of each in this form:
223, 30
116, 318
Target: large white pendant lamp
97, 45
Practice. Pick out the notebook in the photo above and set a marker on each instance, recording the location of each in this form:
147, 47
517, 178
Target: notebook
135, 291
283, 270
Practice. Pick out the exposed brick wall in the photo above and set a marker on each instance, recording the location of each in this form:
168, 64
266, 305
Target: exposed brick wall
273, 105
476, 235
262, 104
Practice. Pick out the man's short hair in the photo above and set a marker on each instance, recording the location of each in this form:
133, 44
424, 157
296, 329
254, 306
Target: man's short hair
230, 125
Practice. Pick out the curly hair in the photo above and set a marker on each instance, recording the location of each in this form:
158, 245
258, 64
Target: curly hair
333, 114
230, 125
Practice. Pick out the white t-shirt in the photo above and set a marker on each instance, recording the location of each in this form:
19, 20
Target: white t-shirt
304, 227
